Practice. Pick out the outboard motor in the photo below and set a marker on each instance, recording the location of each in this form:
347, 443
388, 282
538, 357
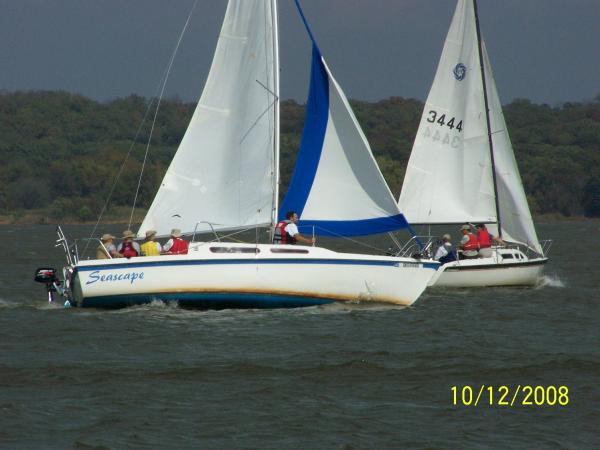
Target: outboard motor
47, 275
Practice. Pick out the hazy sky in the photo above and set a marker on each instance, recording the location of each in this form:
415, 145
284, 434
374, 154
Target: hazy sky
544, 50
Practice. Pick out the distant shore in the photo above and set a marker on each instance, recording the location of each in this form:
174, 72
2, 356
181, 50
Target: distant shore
37, 218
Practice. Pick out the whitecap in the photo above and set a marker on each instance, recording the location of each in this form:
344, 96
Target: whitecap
550, 281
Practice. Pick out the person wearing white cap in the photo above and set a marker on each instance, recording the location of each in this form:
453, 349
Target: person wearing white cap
176, 245
107, 248
151, 247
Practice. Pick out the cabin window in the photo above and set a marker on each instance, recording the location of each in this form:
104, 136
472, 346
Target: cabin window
507, 256
289, 250
234, 250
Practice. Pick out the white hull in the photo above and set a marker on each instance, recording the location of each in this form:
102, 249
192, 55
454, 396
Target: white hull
518, 270
223, 275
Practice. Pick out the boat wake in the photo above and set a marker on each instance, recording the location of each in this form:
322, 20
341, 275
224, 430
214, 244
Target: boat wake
550, 281
6, 304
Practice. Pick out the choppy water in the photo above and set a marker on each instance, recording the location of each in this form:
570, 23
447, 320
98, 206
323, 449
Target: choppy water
332, 377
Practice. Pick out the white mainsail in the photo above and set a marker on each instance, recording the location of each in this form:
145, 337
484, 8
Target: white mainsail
224, 173
449, 176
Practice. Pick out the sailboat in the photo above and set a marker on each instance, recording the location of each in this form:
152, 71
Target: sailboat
225, 177
462, 167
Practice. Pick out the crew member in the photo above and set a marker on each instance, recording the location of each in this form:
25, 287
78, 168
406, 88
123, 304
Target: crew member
286, 231
176, 245
128, 248
468, 244
445, 252
485, 241
151, 247
107, 249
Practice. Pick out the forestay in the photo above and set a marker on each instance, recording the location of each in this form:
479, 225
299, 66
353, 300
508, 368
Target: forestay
224, 173
337, 187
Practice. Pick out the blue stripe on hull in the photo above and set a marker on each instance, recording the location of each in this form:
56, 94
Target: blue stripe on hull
209, 300
200, 262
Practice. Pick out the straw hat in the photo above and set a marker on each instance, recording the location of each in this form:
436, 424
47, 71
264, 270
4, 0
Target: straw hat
128, 234
465, 227
150, 233
176, 232
107, 237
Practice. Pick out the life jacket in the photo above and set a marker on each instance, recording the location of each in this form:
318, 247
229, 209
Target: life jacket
280, 236
473, 243
127, 250
485, 239
150, 249
179, 247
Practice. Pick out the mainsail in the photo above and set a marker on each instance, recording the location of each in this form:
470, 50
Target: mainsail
224, 173
449, 178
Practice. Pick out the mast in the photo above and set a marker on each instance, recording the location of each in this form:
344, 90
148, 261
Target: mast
487, 117
275, 20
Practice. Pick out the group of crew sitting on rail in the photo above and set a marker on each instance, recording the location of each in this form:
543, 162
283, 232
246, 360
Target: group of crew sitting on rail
286, 232
129, 248
472, 245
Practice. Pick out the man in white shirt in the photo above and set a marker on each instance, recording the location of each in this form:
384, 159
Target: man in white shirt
286, 231
445, 252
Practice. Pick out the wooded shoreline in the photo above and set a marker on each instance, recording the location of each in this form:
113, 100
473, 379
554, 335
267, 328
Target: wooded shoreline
61, 152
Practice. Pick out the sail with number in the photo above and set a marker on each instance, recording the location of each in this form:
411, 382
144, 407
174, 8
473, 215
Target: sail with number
450, 175
224, 173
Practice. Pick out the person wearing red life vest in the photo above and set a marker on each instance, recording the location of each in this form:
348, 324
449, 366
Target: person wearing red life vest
286, 231
176, 245
128, 248
469, 244
486, 240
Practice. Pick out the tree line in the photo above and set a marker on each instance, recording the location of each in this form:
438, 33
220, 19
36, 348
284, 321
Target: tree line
61, 152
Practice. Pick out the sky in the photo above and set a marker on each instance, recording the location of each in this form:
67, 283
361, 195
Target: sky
545, 50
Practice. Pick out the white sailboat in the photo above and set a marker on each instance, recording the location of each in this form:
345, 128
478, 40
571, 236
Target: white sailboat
225, 176
462, 167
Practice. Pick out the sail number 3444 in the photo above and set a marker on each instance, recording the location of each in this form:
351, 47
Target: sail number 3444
451, 123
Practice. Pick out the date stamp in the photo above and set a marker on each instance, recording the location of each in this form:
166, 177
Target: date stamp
515, 396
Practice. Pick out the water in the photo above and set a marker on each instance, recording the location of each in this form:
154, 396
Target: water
336, 377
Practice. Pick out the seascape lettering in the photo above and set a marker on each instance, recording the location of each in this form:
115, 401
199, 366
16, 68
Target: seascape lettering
111, 277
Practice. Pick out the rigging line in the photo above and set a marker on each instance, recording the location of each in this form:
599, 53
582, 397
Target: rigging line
256, 121
348, 238
116, 179
487, 116
162, 91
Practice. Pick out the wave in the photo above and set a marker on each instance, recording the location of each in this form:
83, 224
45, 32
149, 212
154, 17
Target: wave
550, 281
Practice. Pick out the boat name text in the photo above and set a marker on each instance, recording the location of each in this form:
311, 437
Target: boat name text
111, 277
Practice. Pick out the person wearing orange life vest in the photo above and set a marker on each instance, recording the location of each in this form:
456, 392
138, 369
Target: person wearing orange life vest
469, 244
176, 245
286, 231
128, 248
485, 241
